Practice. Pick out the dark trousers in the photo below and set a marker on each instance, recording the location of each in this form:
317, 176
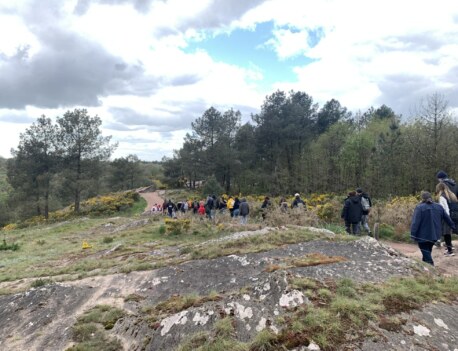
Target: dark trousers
426, 248
447, 234
352, 228
448, 242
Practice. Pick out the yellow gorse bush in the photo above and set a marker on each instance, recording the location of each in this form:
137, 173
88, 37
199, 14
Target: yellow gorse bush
177, 226
10, 226
100, 205
403, 201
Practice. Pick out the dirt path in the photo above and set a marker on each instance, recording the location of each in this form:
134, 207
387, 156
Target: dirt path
447, 265
156, 197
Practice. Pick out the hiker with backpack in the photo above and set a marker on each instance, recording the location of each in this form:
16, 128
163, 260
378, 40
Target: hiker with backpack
366, 203
171, 209
298, 202
209, 207
449, 203
244, 210
352, 212
426, 227
442, 177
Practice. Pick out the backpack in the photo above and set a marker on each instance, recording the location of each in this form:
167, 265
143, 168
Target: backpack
365, 203
453, 208
210, 203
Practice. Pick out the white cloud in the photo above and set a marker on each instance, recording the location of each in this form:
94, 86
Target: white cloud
367, 53
287, 43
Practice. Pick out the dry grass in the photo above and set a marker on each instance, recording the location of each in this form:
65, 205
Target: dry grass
276, 217
313, 259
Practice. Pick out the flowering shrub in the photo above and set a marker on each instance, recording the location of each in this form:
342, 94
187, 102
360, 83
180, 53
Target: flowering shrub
10, 226
100, 205
177, 226
108, 204
396, 213
159, 185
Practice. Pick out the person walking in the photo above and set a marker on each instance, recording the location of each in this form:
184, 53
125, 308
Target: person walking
448, 201
366, 203
201, 209
298, 202
244, 210
352, 213
442, 177
426, 227
236, 207
283, 205
230, 205
171, 209
265, 206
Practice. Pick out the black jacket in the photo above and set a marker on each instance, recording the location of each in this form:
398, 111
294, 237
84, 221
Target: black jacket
352, 211
451, 185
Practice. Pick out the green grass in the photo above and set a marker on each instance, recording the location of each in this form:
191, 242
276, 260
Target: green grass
345, 308
221, 338
56, 249
89, 331
40, 282
258, 243
137, 208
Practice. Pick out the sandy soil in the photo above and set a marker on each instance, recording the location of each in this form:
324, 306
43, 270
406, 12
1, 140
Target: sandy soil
446, 265
156, 197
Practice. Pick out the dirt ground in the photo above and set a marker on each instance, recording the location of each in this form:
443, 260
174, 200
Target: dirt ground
447, 265
156, 197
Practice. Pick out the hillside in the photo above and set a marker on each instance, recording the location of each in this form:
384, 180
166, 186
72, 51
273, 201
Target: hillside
149, 284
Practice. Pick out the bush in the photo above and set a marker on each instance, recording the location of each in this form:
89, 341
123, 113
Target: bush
40, 282
107, 240
5, 247
177, 226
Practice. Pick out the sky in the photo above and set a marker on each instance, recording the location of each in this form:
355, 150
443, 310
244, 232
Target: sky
148, 68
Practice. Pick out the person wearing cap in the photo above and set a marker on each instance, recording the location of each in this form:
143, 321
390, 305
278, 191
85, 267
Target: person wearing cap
426, 227
443, 178
298, 202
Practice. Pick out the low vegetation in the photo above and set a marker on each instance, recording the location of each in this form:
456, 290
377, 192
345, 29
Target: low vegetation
339, 314
89, 332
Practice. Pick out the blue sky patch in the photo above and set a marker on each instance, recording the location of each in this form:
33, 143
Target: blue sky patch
246, 48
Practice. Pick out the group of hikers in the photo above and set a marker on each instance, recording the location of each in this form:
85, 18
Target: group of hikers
237, 208
431, 220
209, 207
435, 220
355, 212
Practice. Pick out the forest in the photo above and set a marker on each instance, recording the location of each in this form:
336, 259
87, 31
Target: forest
292, 145
59, 164
295, 145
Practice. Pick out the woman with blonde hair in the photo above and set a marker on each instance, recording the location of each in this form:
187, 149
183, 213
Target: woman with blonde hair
447, 199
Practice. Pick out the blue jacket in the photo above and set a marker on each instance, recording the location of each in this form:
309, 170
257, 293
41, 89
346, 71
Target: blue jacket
427, 222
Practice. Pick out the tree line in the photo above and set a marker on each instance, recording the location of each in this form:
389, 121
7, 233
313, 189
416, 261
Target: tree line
294, 145
62, 163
